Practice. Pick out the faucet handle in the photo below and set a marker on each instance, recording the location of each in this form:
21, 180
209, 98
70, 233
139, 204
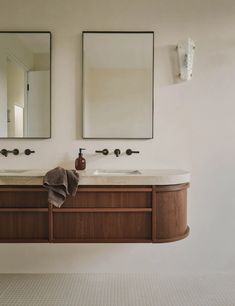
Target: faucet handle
28, 152
129, 152
104, 151
117, 152
16, 151
4, 152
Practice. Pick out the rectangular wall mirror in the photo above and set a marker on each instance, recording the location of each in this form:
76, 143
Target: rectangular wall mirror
118, 72
25, 84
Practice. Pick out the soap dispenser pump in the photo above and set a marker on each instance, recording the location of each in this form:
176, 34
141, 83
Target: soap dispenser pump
80, 162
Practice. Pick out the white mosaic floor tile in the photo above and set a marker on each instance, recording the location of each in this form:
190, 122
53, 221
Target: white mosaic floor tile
116, 290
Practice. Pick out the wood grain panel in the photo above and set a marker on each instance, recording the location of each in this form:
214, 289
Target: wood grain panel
22, 188
112, 240
104, 210
166, 188
109, 199
50, 222
114, 188
21, 226
22, 198
171, 215
104, 226
154, 214
23, 209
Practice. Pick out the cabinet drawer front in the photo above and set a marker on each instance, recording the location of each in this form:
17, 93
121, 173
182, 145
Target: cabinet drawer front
109, 199
27, 199
20, 226
102, 226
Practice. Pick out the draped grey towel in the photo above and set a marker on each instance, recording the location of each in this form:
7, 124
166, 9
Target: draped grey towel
60, 183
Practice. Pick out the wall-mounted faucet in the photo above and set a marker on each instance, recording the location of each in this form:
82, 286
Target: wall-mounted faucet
104, 151
6, 152
28, 152
129, 152
117, 152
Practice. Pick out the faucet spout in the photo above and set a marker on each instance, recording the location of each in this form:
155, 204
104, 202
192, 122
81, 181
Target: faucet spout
117, 152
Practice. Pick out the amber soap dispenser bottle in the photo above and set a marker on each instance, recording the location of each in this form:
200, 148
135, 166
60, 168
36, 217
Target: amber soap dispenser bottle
80, 162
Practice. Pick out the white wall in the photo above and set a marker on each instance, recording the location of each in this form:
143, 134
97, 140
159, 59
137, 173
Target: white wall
41, 61
194, 127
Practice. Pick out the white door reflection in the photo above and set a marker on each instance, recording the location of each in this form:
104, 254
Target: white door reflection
19, 121
16, 80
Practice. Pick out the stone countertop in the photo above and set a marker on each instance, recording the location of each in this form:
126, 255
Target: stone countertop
88, 177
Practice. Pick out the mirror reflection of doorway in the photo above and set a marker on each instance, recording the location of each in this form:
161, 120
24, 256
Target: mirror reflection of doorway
37, 107
16, 80
25, 78
28, 105
19, 121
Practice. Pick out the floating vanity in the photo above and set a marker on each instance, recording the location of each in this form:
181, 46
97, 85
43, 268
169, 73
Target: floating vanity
110, 206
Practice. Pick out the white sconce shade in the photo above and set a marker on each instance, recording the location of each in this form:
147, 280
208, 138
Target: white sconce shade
185, 50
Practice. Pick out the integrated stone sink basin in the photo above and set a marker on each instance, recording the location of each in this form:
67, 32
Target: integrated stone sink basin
117, 172
22, 172
12, 171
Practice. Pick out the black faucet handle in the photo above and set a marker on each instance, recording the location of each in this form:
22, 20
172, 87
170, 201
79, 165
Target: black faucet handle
28, 152
104, 151
4, 152
129, 152
117, 152
16, 151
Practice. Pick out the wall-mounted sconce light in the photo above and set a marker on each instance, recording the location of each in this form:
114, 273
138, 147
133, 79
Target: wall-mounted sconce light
185, 50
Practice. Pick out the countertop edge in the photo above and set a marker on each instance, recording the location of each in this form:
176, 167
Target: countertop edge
160, 179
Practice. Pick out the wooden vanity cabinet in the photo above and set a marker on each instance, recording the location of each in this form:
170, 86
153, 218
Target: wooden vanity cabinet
95, 214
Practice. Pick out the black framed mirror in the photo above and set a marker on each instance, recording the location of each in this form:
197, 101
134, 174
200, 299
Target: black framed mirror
25, 84
118, 85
